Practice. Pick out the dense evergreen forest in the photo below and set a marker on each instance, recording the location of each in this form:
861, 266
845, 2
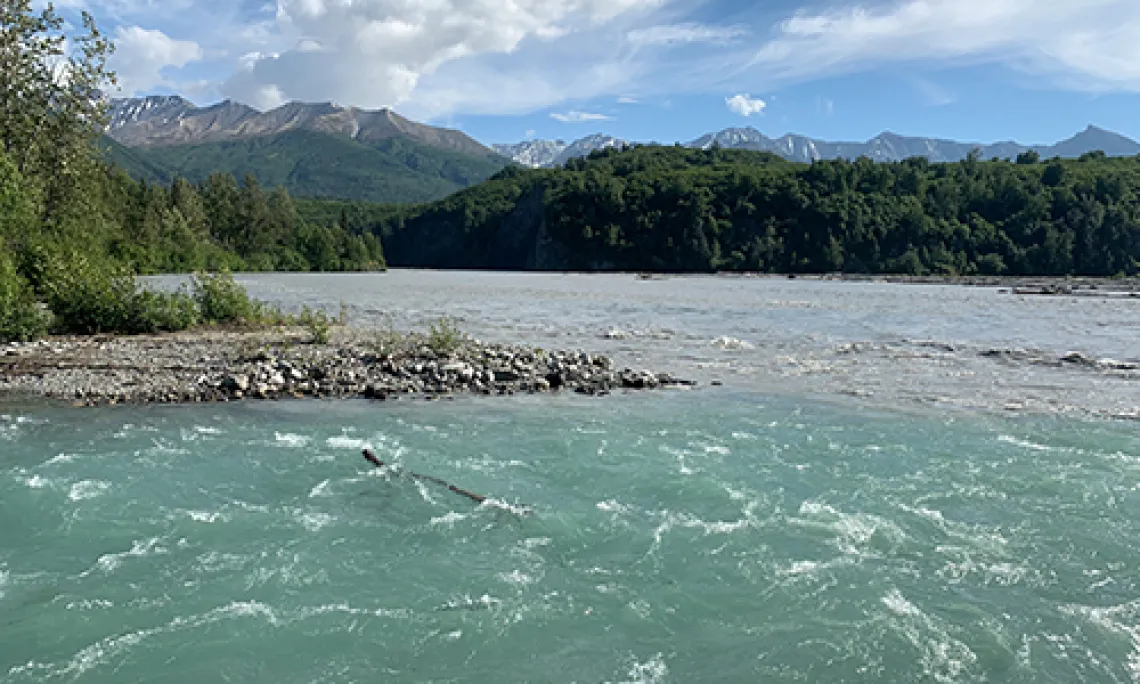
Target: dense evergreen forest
679, 209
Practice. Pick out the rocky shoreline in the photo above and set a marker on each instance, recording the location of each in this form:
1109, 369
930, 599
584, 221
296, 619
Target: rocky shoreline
222, 366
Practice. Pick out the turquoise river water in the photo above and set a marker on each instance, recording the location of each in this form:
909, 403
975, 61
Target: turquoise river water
860, 501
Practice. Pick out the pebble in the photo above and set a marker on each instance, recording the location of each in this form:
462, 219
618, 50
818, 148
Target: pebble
223, 366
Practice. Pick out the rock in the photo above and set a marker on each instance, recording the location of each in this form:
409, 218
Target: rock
236, 383
506, 376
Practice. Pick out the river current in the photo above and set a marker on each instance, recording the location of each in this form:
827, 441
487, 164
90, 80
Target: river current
892, 483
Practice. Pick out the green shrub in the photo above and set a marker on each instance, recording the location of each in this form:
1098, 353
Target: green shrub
317, 323
89, 297
221, 300
21, 319
163, 312
444, 336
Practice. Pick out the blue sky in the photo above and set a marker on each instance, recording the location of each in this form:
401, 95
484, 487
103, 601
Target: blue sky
502, 70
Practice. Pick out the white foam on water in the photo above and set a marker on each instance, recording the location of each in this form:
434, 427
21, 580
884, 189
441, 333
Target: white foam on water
61, 459
804, 567
314, 521
466, 602
943, 658
115, 648
731, 344
346, 442
291, 441
899, 605
205, 430
162, 446
926, 513
1122, 619
424, 492
90, 604
207, 517
612, 506
88, 489
109, 562
652, 671
516, 577
448, 519
852, 531
506, 506
719, 526
37, 482
1026, 444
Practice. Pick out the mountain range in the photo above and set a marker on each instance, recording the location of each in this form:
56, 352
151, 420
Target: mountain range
314, 150
884, 147
326, 150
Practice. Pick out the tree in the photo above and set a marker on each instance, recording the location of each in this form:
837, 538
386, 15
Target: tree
51, 103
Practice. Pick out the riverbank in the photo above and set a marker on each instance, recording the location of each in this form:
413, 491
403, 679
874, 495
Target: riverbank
1077, 286
220, 366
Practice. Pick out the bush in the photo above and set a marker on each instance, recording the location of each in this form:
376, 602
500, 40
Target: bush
317, 323
221, 300
444, 336
163, 312
21, 319
88, 297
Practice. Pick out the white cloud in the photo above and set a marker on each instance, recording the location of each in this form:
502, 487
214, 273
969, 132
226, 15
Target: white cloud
375, 53
141, 55
745, 105
670, 34
1085, 44
628, 100
579, 117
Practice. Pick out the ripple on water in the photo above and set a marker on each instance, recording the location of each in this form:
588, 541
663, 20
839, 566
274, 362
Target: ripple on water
291, 441
944, 658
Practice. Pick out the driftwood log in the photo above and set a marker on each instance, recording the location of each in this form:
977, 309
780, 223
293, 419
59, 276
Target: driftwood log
371, 458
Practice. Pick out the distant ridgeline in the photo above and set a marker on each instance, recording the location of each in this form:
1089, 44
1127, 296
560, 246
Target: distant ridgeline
690, 210
312, 150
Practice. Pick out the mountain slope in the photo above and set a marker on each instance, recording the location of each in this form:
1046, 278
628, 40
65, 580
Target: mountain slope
1094, 139
315, 164
165, 120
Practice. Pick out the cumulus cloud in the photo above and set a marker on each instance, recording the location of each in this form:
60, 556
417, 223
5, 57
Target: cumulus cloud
141, 55
1086, 44
671, 34
579, 117
745, 105
375, 53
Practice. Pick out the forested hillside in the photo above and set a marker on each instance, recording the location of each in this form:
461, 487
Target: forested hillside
316, 164
679, 209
